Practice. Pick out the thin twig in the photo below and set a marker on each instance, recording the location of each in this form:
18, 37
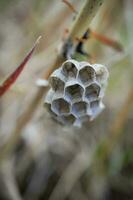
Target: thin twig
70, 6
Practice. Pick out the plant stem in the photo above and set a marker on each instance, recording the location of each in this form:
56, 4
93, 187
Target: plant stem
84, 18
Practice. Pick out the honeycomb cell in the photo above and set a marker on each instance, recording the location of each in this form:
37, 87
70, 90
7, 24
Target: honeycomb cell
101, 73
58, 118
49, 96
79, 121
60, 106
68, 119
70, 69
79, 108
92, 92
48, 99
85, 118
86, 75
48, 106
74, 93
96, 107
57, 81
57, 84
94, 104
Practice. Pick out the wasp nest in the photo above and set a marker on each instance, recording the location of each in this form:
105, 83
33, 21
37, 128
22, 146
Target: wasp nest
76, 93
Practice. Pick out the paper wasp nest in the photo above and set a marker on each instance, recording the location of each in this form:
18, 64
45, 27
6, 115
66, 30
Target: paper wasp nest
76, 93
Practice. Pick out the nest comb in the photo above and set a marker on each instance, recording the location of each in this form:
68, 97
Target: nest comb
76, 92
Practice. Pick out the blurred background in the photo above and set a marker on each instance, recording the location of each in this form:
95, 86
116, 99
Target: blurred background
39, 158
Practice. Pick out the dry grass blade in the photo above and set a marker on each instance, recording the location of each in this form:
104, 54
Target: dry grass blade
12, 78
70, 6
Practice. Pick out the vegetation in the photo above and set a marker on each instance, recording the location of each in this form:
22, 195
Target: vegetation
39, 158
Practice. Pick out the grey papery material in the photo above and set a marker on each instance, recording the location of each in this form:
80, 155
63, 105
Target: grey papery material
76, 93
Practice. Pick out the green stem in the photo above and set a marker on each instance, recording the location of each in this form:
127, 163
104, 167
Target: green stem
84, 18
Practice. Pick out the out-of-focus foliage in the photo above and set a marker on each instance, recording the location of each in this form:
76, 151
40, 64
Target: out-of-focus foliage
50, 161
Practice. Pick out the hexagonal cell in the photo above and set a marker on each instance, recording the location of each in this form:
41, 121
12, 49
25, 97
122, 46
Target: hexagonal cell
92, 91
57, 84
47, 106
60, 106
86, 75
77, 123
48, 99
70, 68
57, 118
57, 80
74, 93
94, 104
79, 108
101, 73
96, 107
85, 118
49, 96
68, 119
